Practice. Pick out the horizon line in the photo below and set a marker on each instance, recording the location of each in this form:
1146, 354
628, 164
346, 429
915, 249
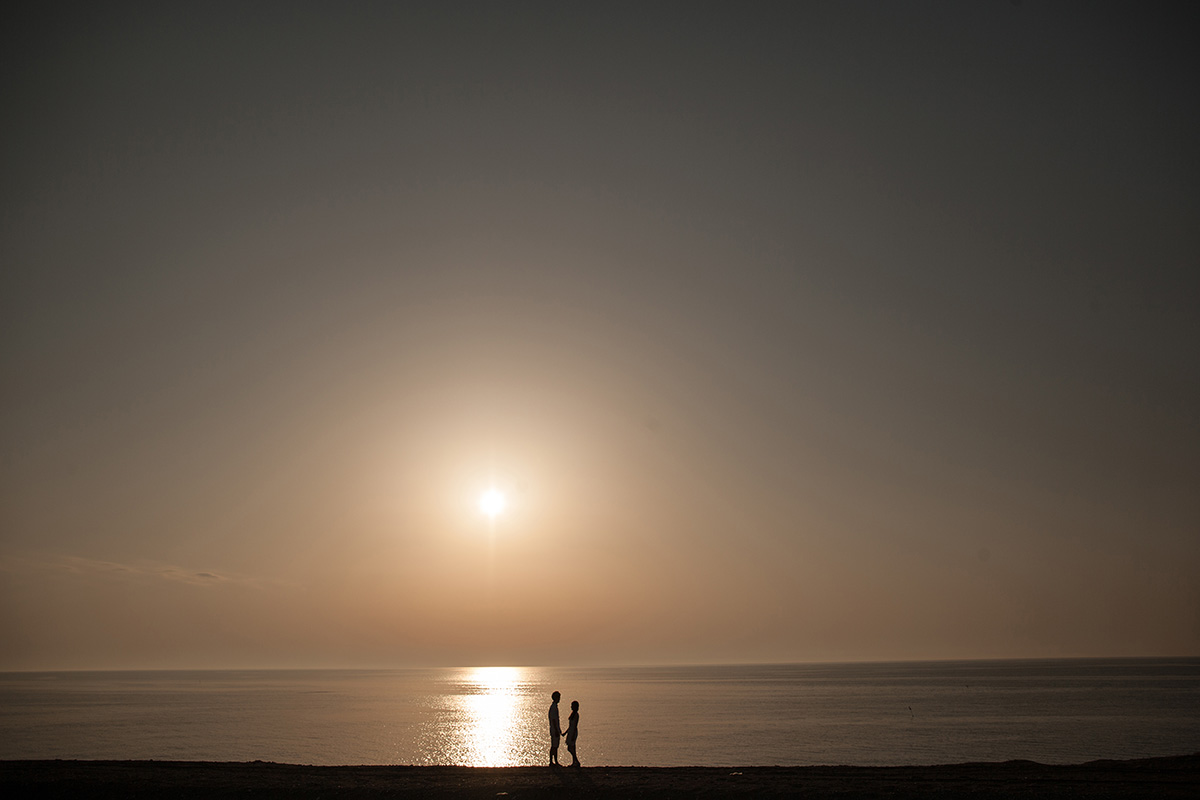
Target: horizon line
640, 665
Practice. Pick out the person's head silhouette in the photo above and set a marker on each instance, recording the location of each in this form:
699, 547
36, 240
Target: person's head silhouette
555, 696
574, 705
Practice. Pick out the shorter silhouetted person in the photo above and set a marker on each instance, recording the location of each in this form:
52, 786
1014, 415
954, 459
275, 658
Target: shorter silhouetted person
555, 729
573, 732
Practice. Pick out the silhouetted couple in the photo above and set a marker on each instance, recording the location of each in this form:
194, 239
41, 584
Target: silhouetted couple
556, 731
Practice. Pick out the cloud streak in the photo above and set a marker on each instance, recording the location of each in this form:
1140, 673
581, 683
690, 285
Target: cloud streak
140, 570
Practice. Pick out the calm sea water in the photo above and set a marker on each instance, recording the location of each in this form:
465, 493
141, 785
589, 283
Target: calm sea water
900, 713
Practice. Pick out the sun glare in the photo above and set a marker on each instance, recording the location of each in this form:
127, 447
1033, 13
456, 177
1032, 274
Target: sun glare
492, 502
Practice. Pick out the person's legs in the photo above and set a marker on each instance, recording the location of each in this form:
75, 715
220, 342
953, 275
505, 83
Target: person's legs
554, 751
571, 750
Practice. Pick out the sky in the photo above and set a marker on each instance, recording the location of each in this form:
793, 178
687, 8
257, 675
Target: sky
790, 332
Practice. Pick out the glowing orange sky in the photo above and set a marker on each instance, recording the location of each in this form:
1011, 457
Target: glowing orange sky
818, 333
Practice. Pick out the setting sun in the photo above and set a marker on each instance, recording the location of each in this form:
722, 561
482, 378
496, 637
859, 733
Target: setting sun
492, 502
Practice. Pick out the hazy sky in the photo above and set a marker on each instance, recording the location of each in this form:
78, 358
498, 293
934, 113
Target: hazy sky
797, 331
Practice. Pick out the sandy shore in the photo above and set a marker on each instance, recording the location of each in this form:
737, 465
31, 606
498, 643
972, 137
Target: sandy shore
1177, 777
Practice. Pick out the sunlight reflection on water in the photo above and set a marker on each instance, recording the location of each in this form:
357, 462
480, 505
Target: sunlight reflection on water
494, 713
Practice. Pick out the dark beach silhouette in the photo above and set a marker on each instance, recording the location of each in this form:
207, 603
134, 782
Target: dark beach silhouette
1174, 778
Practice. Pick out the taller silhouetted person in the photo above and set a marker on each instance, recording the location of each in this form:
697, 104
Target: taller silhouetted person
555, 729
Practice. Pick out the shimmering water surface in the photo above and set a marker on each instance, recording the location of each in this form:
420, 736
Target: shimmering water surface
903, 713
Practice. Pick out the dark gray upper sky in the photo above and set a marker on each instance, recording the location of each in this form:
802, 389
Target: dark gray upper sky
793, 331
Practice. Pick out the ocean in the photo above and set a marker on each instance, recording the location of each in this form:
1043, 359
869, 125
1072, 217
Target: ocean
1058, 711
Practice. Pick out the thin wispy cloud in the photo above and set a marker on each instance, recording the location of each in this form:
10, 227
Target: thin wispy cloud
143, 570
